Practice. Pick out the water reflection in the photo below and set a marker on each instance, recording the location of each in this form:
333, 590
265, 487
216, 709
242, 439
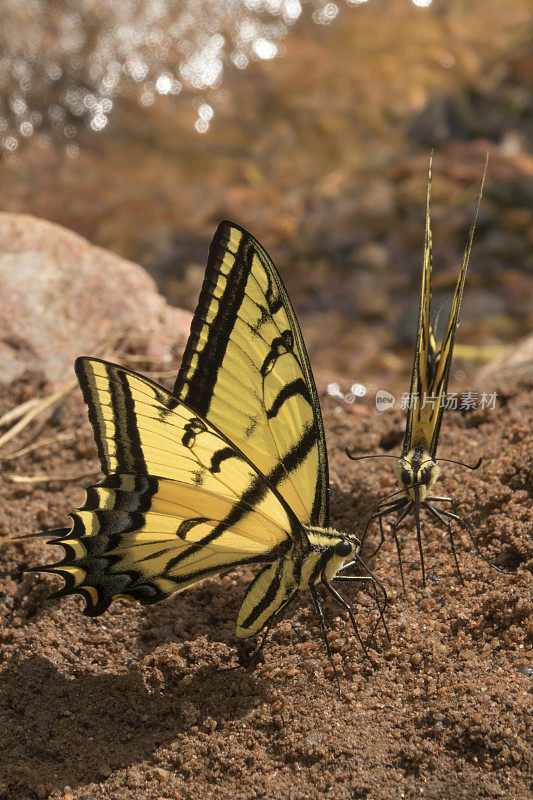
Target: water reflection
63, 64
322, 155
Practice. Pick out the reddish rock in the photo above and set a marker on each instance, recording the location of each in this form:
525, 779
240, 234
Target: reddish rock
61, 297
515, 363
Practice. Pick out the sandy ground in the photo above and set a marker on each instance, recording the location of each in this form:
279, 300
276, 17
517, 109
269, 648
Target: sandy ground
133, 705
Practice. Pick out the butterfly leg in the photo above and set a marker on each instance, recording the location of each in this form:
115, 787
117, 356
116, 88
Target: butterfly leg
375, 581
342, 602
316, 601
465, 525
257, 652
419, 535
381, 608
395, 524
383, 510
439, 515
369, 521
254, 657
440, 500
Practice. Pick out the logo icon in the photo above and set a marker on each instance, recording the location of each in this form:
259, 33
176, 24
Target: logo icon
384, 400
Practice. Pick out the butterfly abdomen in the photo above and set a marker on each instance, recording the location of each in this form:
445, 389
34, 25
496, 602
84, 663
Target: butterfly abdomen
277, 583
270, 590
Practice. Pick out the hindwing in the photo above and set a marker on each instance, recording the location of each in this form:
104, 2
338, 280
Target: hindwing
180, 501
144, 538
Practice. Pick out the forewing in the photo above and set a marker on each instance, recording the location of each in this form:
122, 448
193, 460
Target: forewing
418, 430
246, 370
431, 369
444, 360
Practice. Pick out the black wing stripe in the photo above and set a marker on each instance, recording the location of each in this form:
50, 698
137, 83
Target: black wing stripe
266, 600
254, 494
292, 389
87, 391
296, 456
199, 390
221, 455
251, 497
128, 440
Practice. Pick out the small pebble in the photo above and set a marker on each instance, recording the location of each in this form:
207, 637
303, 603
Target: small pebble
162, 774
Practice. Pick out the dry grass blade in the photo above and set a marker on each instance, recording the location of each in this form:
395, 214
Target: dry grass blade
49, 478
27, 411
133, 358
18, 412
36, 409
61, 437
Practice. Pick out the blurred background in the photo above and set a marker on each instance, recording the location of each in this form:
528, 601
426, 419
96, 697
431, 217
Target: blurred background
142, 124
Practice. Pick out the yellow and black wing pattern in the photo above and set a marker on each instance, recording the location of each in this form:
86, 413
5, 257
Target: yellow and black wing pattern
246, 369
179, 501
431, 368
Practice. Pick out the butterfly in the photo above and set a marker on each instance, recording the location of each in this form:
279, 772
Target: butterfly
229, 468
417, 467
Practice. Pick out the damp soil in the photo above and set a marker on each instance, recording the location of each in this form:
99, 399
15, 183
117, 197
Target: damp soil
138, 702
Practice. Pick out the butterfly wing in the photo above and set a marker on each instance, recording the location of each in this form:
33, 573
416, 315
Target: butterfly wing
179, 502
246, 370
431, 368
443, 360
418, 430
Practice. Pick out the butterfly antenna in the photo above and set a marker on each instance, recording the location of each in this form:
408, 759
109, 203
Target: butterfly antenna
477, 465
374, 455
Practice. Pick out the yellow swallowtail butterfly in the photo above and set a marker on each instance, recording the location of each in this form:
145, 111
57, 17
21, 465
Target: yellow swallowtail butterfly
230, 468
417, 468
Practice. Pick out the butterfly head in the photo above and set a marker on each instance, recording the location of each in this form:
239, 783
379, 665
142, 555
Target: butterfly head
334, 550
340, 554
417, 470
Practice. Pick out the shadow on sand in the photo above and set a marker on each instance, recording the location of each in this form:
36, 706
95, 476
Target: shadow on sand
70, 731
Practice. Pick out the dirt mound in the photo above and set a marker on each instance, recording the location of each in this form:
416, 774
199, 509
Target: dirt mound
133, 705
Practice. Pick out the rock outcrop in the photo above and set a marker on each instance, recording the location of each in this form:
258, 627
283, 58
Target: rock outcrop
61, 297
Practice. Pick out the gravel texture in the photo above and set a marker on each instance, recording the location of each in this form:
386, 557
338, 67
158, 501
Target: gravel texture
134, 704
